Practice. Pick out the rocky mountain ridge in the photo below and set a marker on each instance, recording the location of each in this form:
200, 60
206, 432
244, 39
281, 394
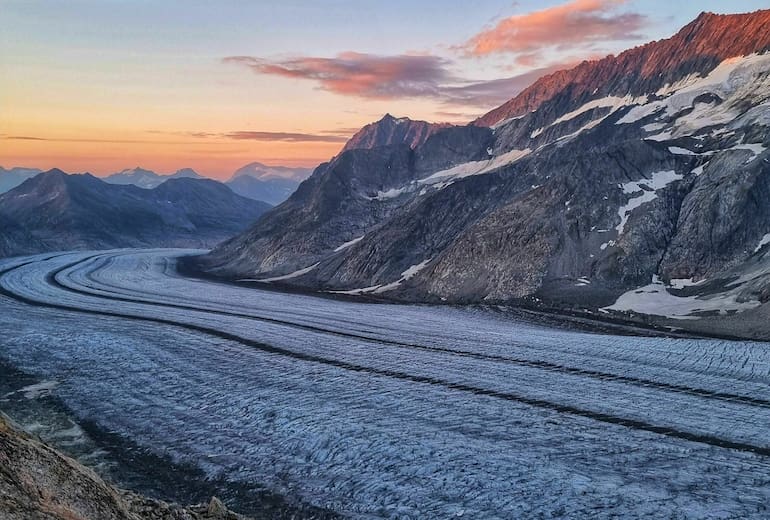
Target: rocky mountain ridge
696, 49
581, 202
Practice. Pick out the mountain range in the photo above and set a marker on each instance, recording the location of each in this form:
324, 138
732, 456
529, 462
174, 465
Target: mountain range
634, 185
11, 178
55, 211
147, 178
257, 181
271, 184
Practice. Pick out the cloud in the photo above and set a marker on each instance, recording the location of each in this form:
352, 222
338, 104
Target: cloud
456, 116
395, 77
363, 75
87, 140
342, 131
240, 135
324, 136
285, 136
497, 91
575, 24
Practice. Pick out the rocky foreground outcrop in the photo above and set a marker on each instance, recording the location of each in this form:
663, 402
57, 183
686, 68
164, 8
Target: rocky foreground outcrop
39, 483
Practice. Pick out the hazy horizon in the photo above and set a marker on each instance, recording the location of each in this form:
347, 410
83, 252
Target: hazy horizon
101, 87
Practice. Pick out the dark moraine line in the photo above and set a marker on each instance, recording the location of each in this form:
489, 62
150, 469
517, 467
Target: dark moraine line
633, 424
528, 363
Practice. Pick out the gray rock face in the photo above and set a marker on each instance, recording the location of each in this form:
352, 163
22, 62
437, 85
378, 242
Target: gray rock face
56, 211
451, 146
336, 204
722, 218
588, 197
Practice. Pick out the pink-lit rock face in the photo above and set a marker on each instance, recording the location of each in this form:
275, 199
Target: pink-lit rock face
697, 48
390, 130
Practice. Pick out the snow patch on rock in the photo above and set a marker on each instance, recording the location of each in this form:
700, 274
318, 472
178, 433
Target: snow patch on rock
392, 193
475, 167
38, 390
654, 299
645, 191
762, 243
381, 288
613, 102
348, 244
289, 276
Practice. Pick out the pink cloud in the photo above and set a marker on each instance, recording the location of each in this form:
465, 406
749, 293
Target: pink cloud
578, 23
395, 77
364, 75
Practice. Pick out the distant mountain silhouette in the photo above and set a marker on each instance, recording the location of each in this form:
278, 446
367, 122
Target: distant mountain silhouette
56, 211
9, 179
147, 178
271, 184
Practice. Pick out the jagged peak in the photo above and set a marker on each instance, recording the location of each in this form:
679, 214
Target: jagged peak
186, 172
53, 173
393, 130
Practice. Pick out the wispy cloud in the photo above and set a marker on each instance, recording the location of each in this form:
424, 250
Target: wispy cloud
330, 136
24, 138
364, 75
394, 77
324, 136
451, 115
497, 91
87, 140
285, 137
577, 24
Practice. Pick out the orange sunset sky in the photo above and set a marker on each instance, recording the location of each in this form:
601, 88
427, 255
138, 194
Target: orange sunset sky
101, 86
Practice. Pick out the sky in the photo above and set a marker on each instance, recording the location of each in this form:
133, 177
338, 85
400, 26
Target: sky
103, 85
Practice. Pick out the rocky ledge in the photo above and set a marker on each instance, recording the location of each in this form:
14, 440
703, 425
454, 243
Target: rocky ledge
39, 483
